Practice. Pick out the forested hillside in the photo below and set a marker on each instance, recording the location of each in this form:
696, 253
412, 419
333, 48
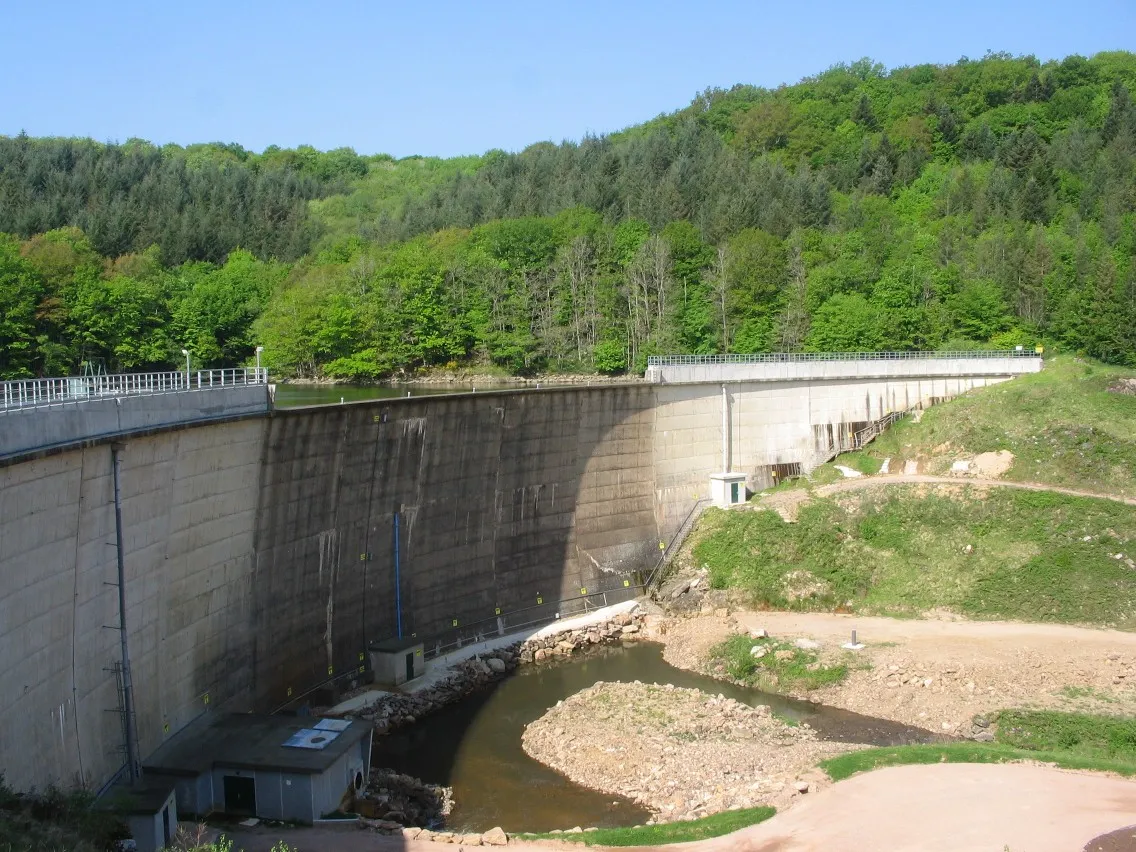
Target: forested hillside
985, 203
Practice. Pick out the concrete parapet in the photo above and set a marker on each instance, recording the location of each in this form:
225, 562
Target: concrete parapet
29, 430
821, 370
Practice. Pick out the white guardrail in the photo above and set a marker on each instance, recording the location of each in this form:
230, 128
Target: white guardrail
30, 393
782, 357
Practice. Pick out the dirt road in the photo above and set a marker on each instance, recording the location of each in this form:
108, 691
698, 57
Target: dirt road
786, 503
940, 674
950, 807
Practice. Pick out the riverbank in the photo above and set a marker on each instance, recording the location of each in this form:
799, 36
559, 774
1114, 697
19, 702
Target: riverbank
683, 753
946, 676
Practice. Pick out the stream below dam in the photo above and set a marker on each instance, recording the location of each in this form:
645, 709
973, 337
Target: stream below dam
474, 745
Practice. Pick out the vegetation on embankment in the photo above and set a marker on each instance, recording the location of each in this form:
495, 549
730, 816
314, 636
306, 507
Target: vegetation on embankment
1064, 426
1069, 740
775, 666
54, 821
985, 203
901, 550
714, 825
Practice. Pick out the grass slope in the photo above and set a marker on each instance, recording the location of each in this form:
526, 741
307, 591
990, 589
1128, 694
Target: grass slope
671, 832
1069, 740
1063, 426
902, 550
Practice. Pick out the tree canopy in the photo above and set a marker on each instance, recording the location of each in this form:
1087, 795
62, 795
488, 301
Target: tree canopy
989, 202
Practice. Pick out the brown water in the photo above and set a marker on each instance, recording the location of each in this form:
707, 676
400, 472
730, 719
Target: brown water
474, 745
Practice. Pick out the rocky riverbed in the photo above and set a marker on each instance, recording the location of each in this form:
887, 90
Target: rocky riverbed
681, 752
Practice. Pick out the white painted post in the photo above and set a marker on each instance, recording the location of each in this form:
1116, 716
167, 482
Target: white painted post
725, 431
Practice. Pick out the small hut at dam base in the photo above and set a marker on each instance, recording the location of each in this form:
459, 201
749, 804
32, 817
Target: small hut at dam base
291, 768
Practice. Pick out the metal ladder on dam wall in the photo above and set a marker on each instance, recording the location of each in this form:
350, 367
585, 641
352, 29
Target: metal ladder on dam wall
862, 437
656, 574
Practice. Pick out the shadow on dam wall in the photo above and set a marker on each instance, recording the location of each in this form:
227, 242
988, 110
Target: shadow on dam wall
507, 503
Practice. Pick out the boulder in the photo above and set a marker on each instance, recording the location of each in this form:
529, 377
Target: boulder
495, 837
801, 786
807, 644
469, 840
495, 665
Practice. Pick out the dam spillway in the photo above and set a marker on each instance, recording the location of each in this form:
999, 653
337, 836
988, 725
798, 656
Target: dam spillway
259, 550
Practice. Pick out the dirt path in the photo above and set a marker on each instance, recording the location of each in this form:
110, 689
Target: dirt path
940, 674
938, 808
787, 502
947, 808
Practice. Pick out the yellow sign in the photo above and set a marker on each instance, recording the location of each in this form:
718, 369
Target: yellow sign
166, 728
289, 692
497, 611
583, 591
205, 698
539, 600
362, 669
455, 622
1039, 349
626, 583
330, 670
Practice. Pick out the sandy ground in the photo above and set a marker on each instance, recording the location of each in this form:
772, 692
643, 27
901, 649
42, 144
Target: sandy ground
947, 808
940, 674
940, 808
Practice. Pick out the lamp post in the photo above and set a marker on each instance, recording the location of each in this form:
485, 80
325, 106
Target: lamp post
259, 349
185, 352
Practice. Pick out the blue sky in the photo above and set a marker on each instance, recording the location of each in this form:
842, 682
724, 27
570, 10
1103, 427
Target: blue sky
448, 78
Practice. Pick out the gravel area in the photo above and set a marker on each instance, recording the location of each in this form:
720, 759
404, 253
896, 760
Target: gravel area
940, 675
681, 752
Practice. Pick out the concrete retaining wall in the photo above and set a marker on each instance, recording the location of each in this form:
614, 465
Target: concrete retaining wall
260, 553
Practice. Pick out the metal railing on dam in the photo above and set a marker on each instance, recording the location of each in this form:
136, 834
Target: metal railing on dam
30, 393
46, 414
818, 366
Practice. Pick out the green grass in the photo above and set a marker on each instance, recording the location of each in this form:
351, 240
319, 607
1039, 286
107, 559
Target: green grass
1091, 737
846, 765
1069, 740
55, 820
795, 669
671, 832
901, 551
1062, 425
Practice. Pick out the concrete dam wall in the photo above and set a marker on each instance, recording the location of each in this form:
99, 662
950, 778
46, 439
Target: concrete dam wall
260, 555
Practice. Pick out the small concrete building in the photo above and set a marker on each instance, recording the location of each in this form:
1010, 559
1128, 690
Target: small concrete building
149, 810
395, 661
273, 767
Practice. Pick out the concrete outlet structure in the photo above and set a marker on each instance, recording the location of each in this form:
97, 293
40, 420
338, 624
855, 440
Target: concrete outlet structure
260, 555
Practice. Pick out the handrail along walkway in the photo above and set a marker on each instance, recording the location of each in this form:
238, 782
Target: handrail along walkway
790, 357
32, 393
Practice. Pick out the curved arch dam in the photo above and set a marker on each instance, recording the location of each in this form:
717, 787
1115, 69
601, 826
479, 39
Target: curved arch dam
259, 549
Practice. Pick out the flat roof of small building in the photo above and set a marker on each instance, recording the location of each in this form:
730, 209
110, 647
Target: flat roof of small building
249, 741
393, 645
